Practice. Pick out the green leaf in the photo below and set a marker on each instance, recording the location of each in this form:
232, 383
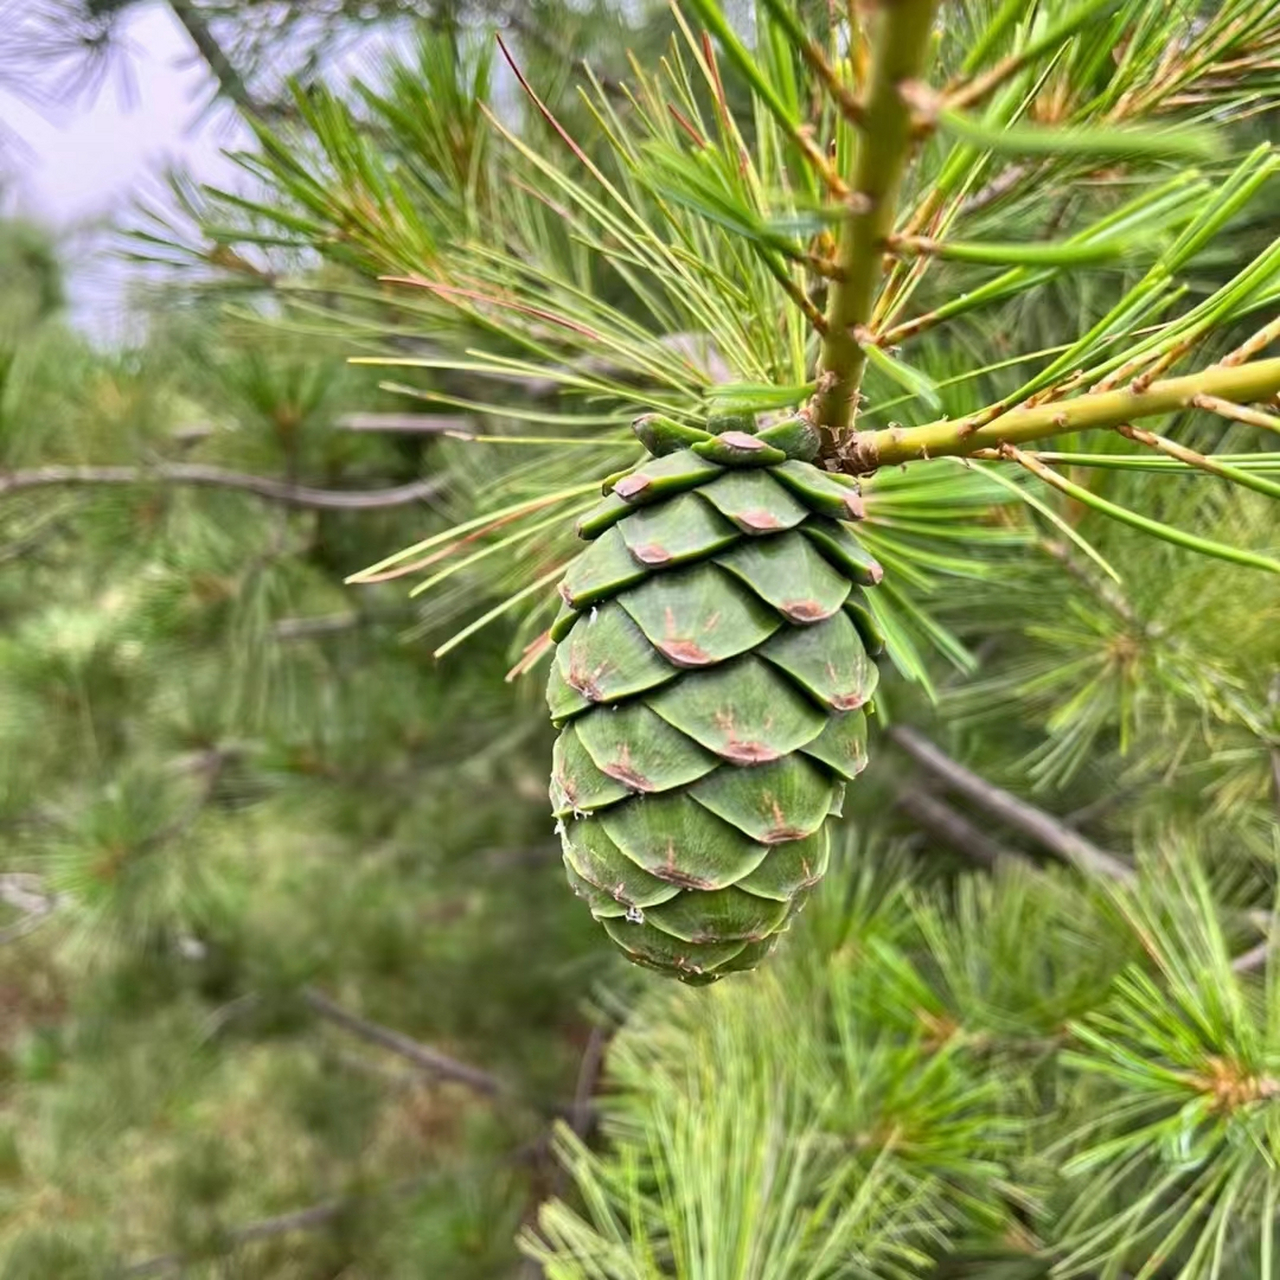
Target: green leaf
788, 572
633, 744
743, 711
827, 660
786, 800
712, 853
700, 616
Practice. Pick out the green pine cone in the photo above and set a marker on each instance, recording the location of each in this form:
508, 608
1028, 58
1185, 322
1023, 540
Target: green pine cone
711, 667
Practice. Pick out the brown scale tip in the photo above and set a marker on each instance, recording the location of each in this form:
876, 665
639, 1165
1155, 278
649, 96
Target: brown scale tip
585, 684
804, 611
847, 701
748, 752
685, 653
673, 875
651, 553
781, 835
740, 440
627, 776
629, 486
760, 519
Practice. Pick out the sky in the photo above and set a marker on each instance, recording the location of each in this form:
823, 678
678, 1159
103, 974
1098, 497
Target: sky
78, 164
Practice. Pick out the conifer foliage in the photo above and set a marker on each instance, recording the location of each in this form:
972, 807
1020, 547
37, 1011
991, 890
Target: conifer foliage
1001, 280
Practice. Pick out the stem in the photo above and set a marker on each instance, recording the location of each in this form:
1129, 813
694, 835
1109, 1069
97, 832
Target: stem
900, 43
896, 445
783, 12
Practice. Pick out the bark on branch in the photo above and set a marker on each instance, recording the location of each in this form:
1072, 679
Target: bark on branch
430, 1060
1042, 827
294, 495
951, 826
309, 1219
28, 894
1238, 385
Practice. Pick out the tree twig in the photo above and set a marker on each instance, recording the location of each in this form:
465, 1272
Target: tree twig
1042, 827
1190, 458
25, 893
317, 1215
1237, 412
231, 83
323, 625
900, 45
404, 423
308, 1219
951, 826
431, 1060
1209, 389
1252, 959
294, 495
582, 1114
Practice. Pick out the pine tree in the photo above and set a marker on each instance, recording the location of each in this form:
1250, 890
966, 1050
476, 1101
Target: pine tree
247, 849
1015, 264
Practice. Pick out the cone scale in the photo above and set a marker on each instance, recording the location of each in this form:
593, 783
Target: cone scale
713, 662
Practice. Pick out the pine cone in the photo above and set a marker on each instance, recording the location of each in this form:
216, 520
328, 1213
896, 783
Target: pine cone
711, 665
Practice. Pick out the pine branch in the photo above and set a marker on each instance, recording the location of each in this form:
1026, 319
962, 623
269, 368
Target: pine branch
951, 826
900, 44
1009, 809
405, 423
1046, 829
230, 82
25, 893
1234, 385
327, 624
536, 34
293, 495
308, 1219
431, 1060
1237, 413
1254, 958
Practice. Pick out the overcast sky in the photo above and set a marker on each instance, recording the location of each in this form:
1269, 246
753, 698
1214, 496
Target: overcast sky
79, 164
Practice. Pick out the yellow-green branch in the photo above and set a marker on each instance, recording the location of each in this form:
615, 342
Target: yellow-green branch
900, 43
1235, 385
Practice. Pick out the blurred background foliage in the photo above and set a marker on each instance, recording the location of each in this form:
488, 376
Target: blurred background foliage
290, 984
